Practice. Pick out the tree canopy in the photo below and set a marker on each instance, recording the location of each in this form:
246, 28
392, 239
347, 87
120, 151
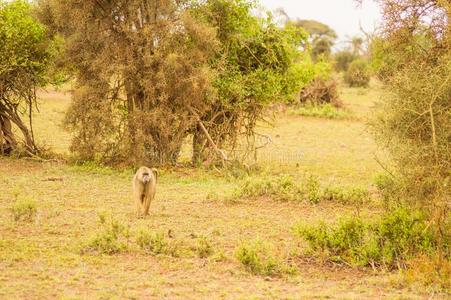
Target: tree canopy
150, 73
322, 37
26, 54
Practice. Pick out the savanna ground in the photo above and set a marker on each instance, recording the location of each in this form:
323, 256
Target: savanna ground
42, 259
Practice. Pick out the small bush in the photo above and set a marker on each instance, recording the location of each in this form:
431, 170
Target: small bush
346, 195
203, 247
343, 59
396, 237
24, 210
321, 91
285, 188
387, 187
113, 239
257, 258
156, 243
430, 271
326, 111
281, 188
311, 189
358, 74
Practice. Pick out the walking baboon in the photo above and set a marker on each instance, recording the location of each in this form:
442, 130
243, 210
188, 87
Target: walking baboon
144, 187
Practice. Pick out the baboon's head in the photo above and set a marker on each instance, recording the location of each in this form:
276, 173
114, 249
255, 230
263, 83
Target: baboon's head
145, 178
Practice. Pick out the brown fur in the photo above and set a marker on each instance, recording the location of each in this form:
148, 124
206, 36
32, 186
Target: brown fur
144, 187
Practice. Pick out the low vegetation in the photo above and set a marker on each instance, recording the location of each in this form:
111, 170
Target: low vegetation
326, 111
204, 247
113, 238
24, 209
258, 258
287, 188
358, 74
321, 91
156, 243
390, 241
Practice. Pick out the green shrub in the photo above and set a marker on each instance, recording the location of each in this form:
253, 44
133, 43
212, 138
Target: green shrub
156, 243
387, 187
326, 111
343, 59
358, 74
346, 195
312, 189
390, 241
24, 210
258, 259
114, 238
203, 247
281, 188
285, 188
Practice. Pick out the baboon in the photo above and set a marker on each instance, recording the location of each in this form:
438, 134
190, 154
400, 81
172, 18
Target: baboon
144, 187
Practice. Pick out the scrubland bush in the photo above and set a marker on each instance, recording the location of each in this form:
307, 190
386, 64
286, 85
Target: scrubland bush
156, 243
258, 258
282, 188
390, 241
326, 111
286, 188
343, 59
203, 247
24, 209
343, 195
114, 237
321, 91
412, 57
358, 74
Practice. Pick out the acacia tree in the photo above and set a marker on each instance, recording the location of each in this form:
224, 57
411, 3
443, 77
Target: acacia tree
258, 63
322, 37
26, 55
141, 68
413, 57
149, 73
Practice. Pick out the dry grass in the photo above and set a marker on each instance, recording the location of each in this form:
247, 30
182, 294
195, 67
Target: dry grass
41, 259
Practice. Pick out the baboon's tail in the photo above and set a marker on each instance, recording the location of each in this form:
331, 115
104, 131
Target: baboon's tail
155, 172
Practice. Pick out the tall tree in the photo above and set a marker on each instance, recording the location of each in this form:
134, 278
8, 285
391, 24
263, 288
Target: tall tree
257, 64
413, 57
140, 66
322, 37
26, 55
149, 73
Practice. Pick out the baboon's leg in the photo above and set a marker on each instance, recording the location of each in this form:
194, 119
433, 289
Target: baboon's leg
138, 205
138, 196
146, 203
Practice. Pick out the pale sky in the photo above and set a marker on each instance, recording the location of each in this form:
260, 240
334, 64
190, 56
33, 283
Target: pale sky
341, 15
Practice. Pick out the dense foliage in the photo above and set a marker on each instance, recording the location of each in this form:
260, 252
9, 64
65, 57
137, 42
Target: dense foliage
26, 54
358, 74
414, 56
149, 74
321, 37
390, 241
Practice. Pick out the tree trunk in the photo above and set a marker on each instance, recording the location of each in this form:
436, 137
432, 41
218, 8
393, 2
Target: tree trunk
7, 140
199, 143
9, 116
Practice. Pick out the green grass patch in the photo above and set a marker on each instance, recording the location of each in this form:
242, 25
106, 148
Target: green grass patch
24, 209
389, 241
203, 247
114, 237
287, 188
326, 111
156, 243
258, 258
